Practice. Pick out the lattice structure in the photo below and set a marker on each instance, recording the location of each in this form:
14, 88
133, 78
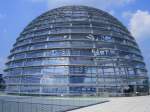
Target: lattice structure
75, 50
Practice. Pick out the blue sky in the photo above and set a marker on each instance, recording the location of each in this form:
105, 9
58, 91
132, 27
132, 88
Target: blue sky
16, 14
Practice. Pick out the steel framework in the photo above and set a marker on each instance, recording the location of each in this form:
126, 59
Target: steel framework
75, 50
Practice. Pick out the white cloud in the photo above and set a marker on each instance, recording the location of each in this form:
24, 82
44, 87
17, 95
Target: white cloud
139, 24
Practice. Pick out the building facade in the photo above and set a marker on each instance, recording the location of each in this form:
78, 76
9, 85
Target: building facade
75, 50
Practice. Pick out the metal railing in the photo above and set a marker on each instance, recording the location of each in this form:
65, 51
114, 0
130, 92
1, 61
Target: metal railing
13, 103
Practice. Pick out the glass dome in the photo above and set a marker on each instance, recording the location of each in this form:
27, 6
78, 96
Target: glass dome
76, 50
